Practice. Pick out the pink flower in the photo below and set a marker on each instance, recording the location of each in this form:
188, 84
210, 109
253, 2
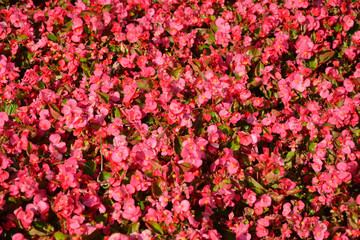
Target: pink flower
128, 61
18, 236
184, 206
120, 154
189, 177
118, 236
233, 166
348, 23
25, 217
317, 165
148, 71
203, 98
130, 93
356, 36
44, 124
319, 231
351, 53
294, 4
3, 63
151, 215
265, 201
263, 222
286, 209
131, 212
75, 225
73, 115
235, 117
305, 47
245, 94
213, 136
133, 33
313, 106
3, 118
298, 82
222, 25
98, 70
245, 139
250, 196
138, 182
349, 85
176, 107
358, 199
33, 159
261, 231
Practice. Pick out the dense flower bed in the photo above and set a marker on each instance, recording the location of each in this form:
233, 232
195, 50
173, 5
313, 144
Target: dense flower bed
172, 119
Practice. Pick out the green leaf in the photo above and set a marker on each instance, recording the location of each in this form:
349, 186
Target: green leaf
144, 83
86, 70
178, 146
259, 67
11, 108
186, 167
54, 111
312, 146
41, 84
142, 206
69, 24
214, 117
350, 204
105, 176
87, 12
103, 217
326, 56
83, 59
90, 167
196, 65
338, 27
22, 38
117, 112
134, 227
155, 188
107, 7
104, 96
255, 184
176, 73
155, 226
60, 236
197, 62
52, 37
237, 140
41, 228
254, 52
36, 232
29, 147
227, 235
235, 106
312, 63
290, 155
225, 129
234, 146
101, 154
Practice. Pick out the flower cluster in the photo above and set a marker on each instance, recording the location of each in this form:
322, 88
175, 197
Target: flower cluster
172, 119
